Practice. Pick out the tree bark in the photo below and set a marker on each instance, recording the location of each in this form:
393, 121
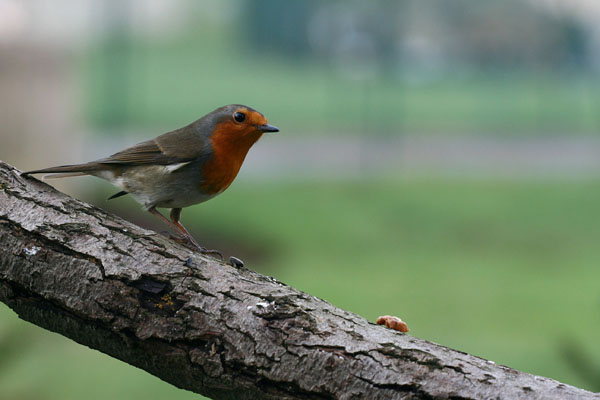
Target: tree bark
208, 327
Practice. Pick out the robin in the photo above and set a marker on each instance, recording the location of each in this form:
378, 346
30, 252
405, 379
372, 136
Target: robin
180, 168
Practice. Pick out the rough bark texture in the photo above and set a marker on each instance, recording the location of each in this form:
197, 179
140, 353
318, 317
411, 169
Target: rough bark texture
224, 332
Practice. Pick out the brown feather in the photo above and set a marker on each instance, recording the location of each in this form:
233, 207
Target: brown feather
141, 154
82, 168
174, 147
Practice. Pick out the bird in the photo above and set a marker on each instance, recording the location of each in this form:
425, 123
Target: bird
180, 168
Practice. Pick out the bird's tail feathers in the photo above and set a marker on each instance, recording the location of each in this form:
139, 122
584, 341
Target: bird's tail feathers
62, 175
64, 171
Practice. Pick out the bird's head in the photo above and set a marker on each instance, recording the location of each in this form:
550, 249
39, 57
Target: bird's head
233, 129
239, 124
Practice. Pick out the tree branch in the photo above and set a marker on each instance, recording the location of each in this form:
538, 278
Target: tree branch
224, 332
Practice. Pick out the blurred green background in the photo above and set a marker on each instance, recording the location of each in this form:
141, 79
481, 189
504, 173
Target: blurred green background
438, 161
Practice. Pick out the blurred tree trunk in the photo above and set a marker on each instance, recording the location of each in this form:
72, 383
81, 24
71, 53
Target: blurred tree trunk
224, 332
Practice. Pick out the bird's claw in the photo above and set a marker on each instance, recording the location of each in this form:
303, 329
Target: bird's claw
204, 250
190, 242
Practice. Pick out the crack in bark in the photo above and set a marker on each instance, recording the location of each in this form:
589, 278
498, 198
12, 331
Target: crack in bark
45, 242
36, 201
414, 389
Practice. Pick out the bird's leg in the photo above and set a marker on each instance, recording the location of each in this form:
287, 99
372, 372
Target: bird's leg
164, 219
175, 216
174, 223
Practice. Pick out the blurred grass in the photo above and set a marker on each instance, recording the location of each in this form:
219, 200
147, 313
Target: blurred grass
500, 269
168, 83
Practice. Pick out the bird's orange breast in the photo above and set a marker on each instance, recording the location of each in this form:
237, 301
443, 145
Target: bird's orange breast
229, 146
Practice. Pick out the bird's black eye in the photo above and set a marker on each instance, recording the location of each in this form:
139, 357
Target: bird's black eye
239, 116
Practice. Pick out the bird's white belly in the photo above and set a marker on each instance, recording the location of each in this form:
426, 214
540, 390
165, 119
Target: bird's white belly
159, 186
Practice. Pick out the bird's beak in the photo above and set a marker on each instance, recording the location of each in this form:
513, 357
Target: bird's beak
268, 128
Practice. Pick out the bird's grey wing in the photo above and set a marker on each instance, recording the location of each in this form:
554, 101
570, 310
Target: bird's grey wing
175, 147
144, 153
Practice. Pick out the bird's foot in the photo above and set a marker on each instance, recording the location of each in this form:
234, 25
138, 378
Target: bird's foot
191, 243
209, 252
